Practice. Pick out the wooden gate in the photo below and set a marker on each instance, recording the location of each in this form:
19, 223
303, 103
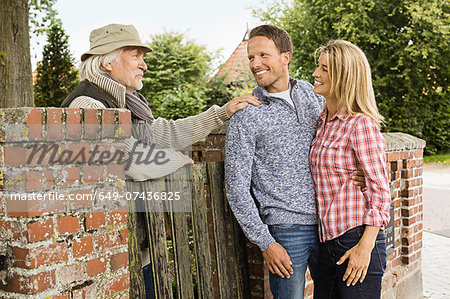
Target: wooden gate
196, 246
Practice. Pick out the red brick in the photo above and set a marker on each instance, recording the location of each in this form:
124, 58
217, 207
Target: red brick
408, 212
36, 257
91, 127
38, 180
406, 155
115, 171
23, 208
54, 127
407, 260
81, 199
95, 220
93, 174
125, 123
64, 295
112, 239
393, 156
116, 285
96, 266
108, 119
82, 247
117, 217
40, 230
81, 151
73, 123
67, 177
34, 121
407, 193
30, 284
10, 230
418, 154
68, 274
214, 156
15, 156
407, 173
68, 224
79, 294
409, 221
215, 141
118, 261
407, 164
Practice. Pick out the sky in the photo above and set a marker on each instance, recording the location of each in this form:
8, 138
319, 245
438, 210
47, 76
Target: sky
215, 24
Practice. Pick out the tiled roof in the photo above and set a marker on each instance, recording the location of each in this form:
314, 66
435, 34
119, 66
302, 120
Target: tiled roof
236, 68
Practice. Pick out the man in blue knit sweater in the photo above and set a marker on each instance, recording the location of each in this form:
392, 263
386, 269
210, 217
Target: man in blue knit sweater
267, 152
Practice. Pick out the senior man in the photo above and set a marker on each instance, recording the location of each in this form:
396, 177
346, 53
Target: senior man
112, 72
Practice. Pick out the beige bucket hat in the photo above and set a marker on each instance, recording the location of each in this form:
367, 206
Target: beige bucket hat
112, 37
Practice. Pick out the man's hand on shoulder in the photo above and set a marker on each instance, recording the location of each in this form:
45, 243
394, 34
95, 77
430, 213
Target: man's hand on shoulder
241, 102
278, 260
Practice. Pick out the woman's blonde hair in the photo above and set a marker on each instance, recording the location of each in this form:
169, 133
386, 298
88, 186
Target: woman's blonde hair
93, 66
351, 79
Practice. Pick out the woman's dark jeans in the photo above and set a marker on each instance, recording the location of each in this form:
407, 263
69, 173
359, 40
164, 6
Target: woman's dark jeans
327, 275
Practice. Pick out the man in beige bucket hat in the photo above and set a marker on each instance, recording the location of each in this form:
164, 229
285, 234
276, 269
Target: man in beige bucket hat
111, 73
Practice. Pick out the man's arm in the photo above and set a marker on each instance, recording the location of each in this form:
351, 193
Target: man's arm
239, 153
181, 133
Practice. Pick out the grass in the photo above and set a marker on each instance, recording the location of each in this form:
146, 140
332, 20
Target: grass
445, 159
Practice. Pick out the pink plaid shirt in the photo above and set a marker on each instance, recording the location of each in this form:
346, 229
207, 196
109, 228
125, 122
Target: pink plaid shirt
341, 146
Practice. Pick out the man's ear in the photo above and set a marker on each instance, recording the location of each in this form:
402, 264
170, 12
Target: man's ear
107, 66
287, 56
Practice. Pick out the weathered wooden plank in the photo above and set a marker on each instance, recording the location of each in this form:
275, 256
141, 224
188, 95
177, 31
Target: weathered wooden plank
200, 228
224, 273
242, 278
158, 243
180, 237
137, 286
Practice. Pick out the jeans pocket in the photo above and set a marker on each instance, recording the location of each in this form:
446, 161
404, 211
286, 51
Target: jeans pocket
380, 254
350, 238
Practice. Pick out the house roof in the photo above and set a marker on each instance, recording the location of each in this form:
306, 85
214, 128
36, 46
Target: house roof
237, 67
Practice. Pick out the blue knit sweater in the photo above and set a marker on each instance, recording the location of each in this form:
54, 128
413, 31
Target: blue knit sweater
267, 158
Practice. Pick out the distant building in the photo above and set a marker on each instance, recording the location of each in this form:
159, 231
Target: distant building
237, 68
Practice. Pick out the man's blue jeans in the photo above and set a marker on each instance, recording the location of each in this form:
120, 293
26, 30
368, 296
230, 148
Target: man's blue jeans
298, 240
327, 275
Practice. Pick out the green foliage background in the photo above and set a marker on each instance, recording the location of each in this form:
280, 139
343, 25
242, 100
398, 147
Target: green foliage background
406, 42
176, 67
56, 75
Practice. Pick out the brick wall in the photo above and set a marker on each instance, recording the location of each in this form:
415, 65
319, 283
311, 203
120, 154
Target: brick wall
69, 248
78, 249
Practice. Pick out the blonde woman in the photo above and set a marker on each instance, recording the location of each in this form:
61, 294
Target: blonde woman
351, 257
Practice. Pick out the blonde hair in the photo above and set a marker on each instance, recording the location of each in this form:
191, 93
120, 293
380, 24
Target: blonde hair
351, 79
93, 66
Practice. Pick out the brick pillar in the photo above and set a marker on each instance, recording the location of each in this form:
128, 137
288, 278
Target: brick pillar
404, 162
65, 248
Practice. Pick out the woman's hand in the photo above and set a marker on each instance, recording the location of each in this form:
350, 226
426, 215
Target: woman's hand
358, 262
359, 256
241, 102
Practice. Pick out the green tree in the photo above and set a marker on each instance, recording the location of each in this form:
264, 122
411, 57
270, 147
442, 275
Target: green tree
406, 42
56, 75
177, 66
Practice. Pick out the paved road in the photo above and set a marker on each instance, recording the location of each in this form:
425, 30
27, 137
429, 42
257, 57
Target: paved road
436, 236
